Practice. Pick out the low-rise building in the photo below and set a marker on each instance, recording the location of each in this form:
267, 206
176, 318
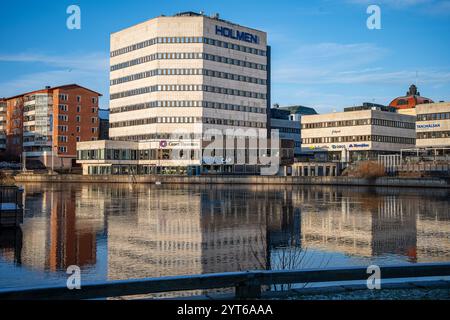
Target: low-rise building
288, 129
138, 158
358, 133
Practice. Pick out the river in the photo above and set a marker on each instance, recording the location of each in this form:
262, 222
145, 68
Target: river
115, 231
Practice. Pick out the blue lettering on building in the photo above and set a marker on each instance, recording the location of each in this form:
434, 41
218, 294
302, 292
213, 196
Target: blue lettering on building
237, 35
428, 126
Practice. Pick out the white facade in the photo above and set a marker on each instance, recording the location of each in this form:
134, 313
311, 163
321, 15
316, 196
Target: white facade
179, 76
358, 135
2, 126
38, 124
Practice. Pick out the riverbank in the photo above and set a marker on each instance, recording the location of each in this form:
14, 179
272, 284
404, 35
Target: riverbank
240, 180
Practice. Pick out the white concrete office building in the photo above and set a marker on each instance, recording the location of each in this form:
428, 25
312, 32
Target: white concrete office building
359, 133
174, 78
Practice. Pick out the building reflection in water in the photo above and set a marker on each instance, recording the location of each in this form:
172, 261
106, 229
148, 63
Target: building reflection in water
154, 231
59, 228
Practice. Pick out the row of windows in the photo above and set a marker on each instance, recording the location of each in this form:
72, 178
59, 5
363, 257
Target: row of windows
131, 154
182, 40
64, 128
65, 108
362, 138
433, 116
188, 87
187, 55
140, 122
188, 104
287, 130
433, 135
65, 118
65, 97
188, 72
360, 122
158, 136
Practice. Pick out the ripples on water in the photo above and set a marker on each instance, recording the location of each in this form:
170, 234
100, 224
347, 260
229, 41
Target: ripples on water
120, 231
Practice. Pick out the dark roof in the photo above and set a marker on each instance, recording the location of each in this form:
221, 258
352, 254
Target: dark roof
276, 113
53, 88
302, 110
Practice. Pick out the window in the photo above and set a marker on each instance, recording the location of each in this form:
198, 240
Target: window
78, 139
78, 108
78, 129
78, 98
94, 100
78, 118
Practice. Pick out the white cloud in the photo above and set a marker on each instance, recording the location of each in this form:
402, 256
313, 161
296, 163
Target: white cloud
89, 70
90, 61
334, 63
333, 75
320, 62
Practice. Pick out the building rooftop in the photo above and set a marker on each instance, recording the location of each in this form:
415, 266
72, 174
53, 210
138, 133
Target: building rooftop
410, 100
301, 110
277, 113
48, 88
371, 106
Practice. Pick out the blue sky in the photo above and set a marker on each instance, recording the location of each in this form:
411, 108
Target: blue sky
323, 54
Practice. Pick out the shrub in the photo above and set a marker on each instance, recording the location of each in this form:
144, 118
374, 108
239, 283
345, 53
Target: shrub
368, 170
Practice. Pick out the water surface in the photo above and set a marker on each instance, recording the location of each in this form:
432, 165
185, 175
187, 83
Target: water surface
126, 232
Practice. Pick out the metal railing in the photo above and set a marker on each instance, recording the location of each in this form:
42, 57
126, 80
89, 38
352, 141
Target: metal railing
248, 285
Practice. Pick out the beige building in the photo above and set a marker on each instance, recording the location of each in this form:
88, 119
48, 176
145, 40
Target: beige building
172, 79
433, 125
358, 133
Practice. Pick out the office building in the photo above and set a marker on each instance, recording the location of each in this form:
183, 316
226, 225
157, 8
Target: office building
288, 129
173, 79
358, 133
433, 125
103, 116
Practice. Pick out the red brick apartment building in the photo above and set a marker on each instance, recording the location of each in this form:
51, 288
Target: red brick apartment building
57, 117
2, 127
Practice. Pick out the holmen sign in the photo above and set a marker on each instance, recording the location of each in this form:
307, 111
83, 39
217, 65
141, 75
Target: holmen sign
237, 35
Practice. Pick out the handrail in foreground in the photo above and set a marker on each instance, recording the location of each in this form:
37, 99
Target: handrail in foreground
248, 284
